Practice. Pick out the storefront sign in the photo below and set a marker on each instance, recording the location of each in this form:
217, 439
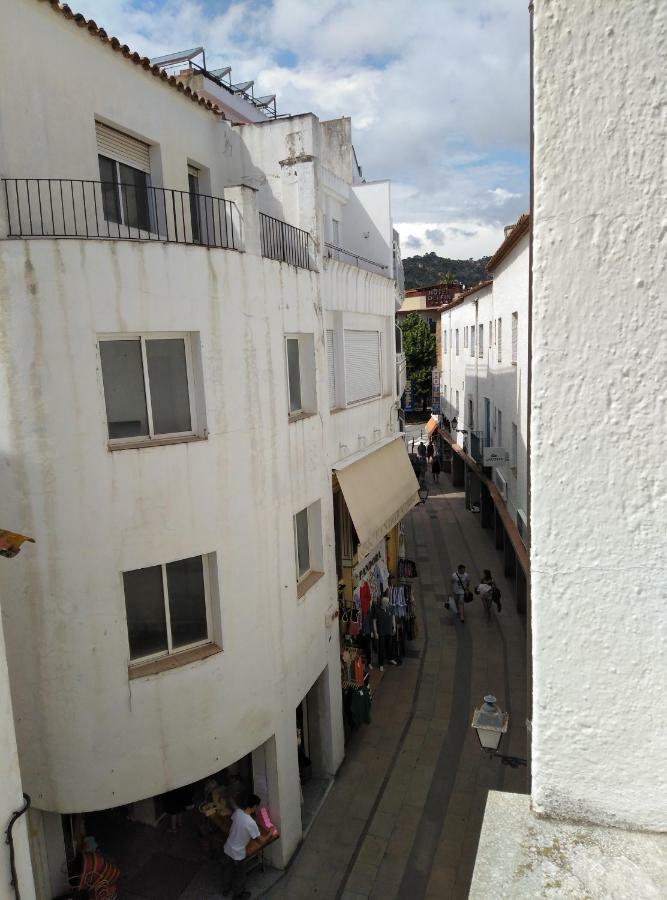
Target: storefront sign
435, 391
407, 400
496, 456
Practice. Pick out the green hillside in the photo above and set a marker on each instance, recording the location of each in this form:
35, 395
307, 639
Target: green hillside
422, 271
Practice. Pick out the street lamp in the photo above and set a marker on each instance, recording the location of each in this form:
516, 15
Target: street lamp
490, 723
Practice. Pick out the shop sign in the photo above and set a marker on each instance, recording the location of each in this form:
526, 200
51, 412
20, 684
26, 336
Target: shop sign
435, 391
495, 456
407, 400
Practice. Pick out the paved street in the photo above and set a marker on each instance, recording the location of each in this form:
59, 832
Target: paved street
403, 817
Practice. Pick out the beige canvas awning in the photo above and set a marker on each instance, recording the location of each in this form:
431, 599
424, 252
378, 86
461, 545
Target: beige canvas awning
379, 490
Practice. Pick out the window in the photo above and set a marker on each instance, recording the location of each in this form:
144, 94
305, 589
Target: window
308, 541
499, 340
457, 403
300, 360
331, 368
515, 441
457, 342
335, 232
148, 386
481, 341
472, 340
124, 163
499, 428
515, 337
471, 414
465, 337
490, 334
363, 365
168, 607
444, 342
487, 421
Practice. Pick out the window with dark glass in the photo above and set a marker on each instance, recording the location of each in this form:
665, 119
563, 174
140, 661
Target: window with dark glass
124, 194
167, 607
147, 386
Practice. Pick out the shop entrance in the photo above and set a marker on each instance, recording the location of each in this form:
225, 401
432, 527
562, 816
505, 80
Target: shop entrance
315, 773
169, 846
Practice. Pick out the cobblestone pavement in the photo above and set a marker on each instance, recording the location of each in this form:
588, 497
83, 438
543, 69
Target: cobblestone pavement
404, 815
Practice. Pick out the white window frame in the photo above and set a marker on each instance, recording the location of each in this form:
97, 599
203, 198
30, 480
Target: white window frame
458, 344
515, 338
307, 374
300, 410
465, 338
480, 342
472, 340
457, 404
499, 340
499, 427
514, 451
142, 337
140, 660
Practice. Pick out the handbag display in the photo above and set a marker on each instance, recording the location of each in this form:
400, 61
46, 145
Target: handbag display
354, 623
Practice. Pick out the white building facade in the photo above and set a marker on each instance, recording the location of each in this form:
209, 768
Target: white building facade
185, 363
484, 390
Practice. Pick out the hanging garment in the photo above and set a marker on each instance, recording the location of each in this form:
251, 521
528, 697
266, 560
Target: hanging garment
365, 598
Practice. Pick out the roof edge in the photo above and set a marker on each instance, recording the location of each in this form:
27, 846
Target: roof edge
520, 228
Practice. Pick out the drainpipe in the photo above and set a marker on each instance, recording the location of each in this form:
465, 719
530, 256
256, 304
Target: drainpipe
9, 840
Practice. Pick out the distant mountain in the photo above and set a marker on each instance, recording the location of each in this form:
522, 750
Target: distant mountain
422, 271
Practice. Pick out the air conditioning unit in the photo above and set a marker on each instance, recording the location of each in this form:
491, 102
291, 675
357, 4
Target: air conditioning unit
522, 526
501, 484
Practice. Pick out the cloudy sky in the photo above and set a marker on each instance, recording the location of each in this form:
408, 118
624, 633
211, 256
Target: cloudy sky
437, 91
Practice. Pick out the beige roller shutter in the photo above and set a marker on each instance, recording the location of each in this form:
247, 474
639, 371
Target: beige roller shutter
363, 378
331, 368
123, 148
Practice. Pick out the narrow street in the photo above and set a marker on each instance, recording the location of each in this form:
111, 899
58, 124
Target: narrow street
403, 817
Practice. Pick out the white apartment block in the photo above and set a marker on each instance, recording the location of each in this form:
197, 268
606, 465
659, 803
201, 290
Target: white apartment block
198, 348
484, 384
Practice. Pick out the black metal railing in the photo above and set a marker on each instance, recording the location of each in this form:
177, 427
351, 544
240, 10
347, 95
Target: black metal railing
77, 208
333, 250
284, 242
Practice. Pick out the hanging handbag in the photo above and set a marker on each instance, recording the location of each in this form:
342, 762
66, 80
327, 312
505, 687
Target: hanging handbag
354, 624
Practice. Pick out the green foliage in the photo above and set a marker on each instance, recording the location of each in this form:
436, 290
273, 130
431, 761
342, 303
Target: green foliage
419, 348
423, 271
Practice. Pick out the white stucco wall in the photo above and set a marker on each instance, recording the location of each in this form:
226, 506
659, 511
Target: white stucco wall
89, 737
599, 496
11, 796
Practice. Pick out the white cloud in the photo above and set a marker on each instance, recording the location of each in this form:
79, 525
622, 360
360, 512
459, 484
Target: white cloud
437, 90
454, 240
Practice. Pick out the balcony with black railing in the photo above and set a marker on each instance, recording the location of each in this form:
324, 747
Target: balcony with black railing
285, 243
349, 256
109, 210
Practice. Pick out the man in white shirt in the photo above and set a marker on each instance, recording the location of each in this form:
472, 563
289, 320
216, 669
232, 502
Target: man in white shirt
460, 584
244, 829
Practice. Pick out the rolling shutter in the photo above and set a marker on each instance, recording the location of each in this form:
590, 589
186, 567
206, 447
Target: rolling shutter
122, 147
362, 365
331, 368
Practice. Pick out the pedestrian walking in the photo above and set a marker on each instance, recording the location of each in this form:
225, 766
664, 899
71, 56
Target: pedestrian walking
435, 469
430, 450
488, 590
461, 589
421, 450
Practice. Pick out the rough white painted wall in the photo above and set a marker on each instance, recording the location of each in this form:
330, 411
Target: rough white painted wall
599, 497
11, 797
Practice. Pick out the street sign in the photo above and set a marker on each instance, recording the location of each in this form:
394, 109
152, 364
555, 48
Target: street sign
496, 456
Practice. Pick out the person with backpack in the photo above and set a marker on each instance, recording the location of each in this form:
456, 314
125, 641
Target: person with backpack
460, 589
489, 591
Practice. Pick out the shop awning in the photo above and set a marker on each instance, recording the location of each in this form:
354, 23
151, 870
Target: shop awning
379, 490
431, 426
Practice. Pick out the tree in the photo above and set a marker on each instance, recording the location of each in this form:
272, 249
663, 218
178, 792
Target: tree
419, 348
